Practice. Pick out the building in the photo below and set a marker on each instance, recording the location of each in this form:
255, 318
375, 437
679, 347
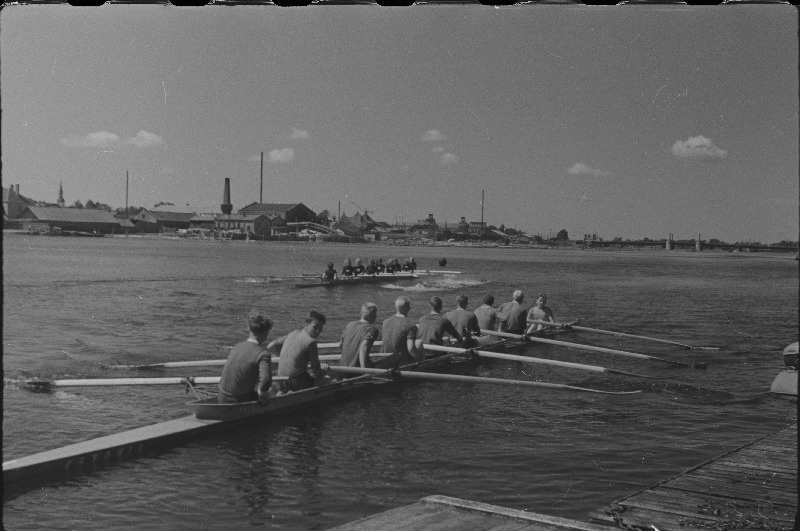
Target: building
156, 221
14, 204
54, 219
288, 212
202, 221
258, 224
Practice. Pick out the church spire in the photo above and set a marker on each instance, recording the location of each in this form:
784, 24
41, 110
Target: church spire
60, 194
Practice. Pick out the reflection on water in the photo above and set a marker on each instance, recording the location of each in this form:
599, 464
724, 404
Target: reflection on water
557, 452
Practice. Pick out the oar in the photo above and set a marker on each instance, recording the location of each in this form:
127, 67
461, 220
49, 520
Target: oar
46, 385
542, 361
470, 379
321, 346
596, 349
215, 363
620, 334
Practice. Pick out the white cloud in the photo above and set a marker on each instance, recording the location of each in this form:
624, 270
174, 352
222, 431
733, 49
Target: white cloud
437, 149
579, 168
100, 139
104, 139
299, 133
698, 147
281, 155
144, 139
448, 159
434, 135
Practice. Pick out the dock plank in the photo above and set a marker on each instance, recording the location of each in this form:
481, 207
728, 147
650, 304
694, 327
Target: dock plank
443, 513
753, 486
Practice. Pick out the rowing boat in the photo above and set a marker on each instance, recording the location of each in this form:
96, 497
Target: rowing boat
211, 409
364, 279
208, 417
314, 281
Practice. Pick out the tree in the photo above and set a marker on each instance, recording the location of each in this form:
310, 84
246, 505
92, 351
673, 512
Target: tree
562, 235
77, 204
323, 218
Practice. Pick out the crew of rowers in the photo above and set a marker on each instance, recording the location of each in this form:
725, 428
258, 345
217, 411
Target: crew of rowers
373, 267
247, 375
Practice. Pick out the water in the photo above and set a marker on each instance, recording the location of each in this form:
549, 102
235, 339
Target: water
72, 304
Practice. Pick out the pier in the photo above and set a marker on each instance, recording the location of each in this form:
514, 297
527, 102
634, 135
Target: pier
751, 487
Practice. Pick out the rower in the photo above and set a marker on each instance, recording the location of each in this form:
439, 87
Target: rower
464, 321
433, 327
358, 337
487, 313
540, 312
399, 333
512, 315
330, 273
246, 376
371, 268
380, 267
358, 268
412, 264
347, 269
297, 350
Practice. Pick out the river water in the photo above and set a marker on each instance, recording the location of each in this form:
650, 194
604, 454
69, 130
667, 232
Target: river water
72, 304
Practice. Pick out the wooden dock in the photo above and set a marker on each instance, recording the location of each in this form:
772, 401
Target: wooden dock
441, 513
751, 487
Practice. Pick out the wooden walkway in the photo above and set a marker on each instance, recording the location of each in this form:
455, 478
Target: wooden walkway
443, 513
752, 487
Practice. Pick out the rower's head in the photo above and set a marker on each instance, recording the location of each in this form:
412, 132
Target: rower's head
259, 325
380, 260
436, 304
372, 262
369, 311
402, 304
330, 265
314, 323
542, 299
518, 295
347, 262
488, 300
358, 261
462, 300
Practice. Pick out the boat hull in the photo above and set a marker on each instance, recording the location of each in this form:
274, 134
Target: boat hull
785, 383
371, 279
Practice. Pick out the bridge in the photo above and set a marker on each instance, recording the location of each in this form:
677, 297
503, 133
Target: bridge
689, 244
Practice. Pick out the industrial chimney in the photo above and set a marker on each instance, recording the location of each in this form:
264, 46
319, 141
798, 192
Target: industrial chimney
227, 207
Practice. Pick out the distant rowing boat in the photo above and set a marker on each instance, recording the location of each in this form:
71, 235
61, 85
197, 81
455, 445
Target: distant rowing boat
364, 279
315, 282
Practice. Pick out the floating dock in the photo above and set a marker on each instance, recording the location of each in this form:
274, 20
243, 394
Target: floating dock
439, 513
752, 487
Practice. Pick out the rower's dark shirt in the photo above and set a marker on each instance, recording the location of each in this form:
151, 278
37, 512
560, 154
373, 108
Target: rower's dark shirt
358, 269
329, 274
370, 270
381, 268
432, 328
347, 271
513, 317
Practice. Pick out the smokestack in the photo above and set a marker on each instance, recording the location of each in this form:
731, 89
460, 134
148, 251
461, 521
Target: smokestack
227, 207
16, 188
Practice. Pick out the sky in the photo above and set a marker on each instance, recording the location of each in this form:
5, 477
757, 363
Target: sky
628, 121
